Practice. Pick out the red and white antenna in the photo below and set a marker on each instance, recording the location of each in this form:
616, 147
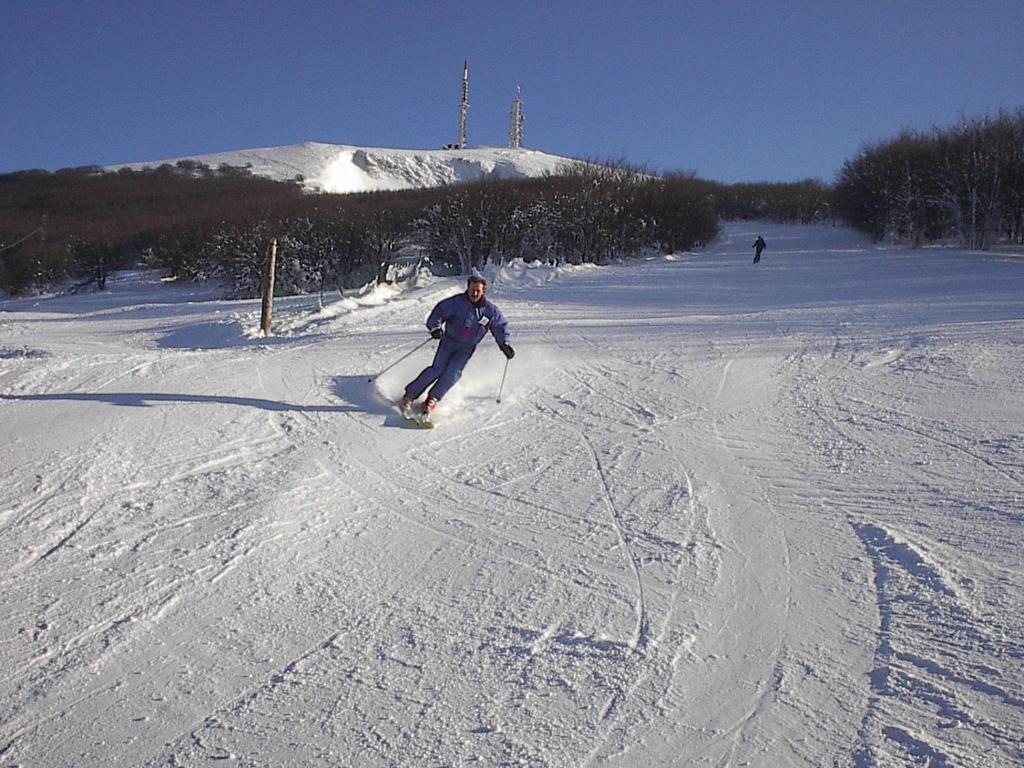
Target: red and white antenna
464, 109
515, 131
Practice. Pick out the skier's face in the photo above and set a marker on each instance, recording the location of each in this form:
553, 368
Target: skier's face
476, 291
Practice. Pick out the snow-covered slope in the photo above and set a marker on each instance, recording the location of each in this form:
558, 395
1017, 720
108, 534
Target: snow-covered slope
342, 168
724, 515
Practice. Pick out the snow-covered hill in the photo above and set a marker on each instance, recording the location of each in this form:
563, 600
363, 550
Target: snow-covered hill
723, 515
342, 168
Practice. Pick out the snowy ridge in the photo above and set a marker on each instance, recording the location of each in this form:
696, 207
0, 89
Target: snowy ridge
341, 168
723, 515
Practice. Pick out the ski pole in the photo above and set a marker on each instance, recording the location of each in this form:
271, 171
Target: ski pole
503, 375
381, 373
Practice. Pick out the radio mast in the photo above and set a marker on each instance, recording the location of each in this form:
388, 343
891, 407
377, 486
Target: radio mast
464, 109
515, 131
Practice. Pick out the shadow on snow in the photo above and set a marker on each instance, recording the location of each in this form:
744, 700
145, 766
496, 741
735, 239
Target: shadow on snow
147, 399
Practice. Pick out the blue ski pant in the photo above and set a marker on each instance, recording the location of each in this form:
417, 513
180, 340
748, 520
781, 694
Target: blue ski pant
449, 360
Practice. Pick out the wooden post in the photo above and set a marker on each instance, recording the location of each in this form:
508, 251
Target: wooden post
268, 288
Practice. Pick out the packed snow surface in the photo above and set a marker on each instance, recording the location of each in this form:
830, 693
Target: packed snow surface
342, 168
723, 515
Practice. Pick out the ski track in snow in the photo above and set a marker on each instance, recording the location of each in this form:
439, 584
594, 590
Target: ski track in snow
724, 515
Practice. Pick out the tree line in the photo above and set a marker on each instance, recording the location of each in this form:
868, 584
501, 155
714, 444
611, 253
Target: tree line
84, 223
801, 202
962, 183
197, 223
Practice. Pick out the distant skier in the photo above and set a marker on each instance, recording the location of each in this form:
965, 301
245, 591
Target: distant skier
759, 245
460, 322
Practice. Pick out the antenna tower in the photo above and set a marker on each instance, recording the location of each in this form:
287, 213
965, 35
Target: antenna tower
464, 108
515, 131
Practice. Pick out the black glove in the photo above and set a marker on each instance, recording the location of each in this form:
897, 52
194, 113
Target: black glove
437, 333
508, 351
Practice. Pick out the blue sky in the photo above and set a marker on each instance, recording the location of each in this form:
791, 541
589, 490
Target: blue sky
732, 90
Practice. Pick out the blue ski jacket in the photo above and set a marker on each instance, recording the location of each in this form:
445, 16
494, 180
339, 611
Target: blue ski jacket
466, 323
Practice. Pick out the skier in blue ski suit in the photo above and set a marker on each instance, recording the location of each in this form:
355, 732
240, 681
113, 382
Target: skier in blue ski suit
460, 322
